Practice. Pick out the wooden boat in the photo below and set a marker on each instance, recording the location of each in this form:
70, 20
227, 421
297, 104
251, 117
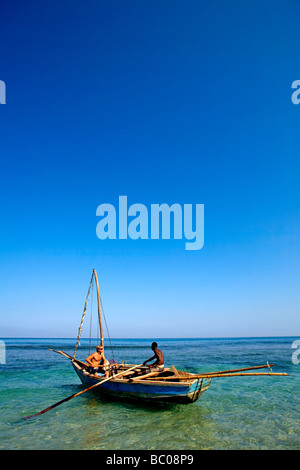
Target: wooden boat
145, 389
135, 382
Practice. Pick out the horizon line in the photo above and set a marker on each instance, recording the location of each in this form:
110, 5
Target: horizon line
145, 337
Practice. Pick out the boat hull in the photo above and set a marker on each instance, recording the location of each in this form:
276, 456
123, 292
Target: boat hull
149, 391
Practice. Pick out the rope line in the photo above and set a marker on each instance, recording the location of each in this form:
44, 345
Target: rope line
90, 290
82, 318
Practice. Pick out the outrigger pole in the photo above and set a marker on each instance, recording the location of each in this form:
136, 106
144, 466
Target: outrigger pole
120, 374
84, 312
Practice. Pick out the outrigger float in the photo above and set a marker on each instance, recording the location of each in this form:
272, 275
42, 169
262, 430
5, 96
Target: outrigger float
135, 382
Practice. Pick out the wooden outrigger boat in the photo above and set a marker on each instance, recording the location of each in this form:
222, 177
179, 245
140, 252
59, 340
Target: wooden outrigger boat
143, 388
135, 382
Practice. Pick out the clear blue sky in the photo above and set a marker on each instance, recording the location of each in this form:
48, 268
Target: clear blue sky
165, 102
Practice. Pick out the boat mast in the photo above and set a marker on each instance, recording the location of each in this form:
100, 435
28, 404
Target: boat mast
99, 308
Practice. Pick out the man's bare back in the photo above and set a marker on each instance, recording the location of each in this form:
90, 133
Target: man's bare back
158, 365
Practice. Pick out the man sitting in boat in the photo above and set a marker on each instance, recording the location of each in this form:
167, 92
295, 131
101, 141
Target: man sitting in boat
98, 362
158, 365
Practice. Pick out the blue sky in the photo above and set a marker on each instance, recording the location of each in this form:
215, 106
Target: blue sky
165, 102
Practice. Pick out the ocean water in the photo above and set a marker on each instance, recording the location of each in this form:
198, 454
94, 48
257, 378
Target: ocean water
235, 413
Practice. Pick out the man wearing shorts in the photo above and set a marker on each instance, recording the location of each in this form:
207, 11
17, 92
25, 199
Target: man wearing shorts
98, 363
158, 364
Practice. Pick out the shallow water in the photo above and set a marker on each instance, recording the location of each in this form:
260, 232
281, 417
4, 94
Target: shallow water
235, 413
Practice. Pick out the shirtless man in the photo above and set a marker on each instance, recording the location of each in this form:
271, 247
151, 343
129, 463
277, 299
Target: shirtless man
158, 364
98, 362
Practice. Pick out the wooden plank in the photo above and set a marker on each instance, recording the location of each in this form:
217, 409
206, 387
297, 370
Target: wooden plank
70, 357
175, 371
190, 375
141, 377
239, 370
212, 376
150, 374
129, 373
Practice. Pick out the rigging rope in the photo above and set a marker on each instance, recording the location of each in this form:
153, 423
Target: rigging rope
82, 318
91, 318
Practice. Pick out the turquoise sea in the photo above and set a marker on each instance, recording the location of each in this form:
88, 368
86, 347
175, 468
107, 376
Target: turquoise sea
235, 413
